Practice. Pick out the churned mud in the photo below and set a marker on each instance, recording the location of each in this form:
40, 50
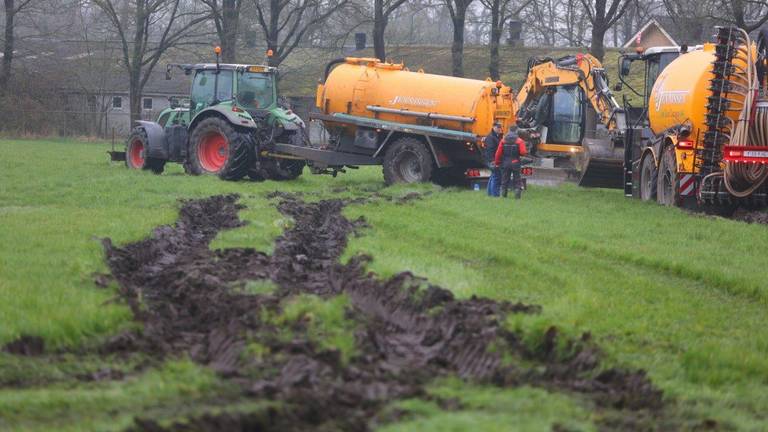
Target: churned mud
193, 301
751, 216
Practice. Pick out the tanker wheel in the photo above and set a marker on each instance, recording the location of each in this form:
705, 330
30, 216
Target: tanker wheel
648, 179
407, 161
666, 189
283, 169
218, 148
136, 153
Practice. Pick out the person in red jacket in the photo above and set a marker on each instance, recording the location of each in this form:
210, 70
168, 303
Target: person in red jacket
508, 155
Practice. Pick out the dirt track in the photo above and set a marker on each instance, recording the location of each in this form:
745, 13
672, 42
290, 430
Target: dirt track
407, 331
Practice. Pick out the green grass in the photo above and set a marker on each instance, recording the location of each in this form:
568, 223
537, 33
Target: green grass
486, 408
680, 295
104, 406
326, 322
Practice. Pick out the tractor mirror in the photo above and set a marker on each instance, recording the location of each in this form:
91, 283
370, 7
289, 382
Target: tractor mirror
625, 66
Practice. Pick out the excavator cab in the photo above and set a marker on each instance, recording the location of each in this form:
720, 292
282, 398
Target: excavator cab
568, 103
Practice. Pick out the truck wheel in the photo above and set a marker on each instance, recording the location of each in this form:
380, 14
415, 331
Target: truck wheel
666, 189
407, 161
136, 153
218, 148
648, 179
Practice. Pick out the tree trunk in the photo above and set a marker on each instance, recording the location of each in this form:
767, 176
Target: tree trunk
230, 20
5, 76
457, 48
379, 27
597, 48
135, 95
496, 32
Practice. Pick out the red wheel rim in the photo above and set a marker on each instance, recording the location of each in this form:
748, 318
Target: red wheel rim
213, 152
136, 154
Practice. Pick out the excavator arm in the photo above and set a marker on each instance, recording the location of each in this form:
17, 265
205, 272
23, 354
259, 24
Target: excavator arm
582, 70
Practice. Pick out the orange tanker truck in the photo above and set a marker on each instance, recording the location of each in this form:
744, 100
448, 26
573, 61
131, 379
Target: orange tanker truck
706, 141
418, 126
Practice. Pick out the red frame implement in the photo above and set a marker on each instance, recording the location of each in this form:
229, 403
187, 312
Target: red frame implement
746, 154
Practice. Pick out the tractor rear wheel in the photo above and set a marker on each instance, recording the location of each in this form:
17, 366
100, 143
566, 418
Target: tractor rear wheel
648, 178
666, 190
218, 148
136, 153
407, 160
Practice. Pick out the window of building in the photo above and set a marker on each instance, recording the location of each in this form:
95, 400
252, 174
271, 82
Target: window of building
147, 103
117, 103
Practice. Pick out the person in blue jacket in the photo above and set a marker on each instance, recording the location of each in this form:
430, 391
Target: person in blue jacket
491, 145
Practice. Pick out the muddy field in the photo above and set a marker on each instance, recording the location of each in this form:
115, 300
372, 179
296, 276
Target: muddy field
193, 301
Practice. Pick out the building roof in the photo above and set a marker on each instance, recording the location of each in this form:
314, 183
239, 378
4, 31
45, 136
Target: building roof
650, 24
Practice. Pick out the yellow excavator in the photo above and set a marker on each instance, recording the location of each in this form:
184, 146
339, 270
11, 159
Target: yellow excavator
573, 119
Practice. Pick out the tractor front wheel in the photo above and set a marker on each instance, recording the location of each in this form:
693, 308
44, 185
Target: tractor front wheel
218, 148
407, 160
666, 191
136, 153
648, 179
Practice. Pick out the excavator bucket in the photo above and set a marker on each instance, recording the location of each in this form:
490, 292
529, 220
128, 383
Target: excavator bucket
602, 164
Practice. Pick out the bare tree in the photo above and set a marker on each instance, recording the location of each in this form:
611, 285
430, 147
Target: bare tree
501, 12
750, 15
458, 11
136, 23
12, 9
542, 17
602, 14
382, 9
226, 18
286, 22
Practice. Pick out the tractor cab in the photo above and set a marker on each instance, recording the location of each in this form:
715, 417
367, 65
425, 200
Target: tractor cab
638, 133
655, 60
249, 88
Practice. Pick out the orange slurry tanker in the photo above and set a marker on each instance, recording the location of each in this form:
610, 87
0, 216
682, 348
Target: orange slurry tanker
706, 141
418, 126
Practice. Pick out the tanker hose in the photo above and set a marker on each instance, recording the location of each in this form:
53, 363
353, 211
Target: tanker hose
742, 179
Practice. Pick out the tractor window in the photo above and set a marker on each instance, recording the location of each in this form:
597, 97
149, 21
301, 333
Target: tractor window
255, 90
566, 115
163, 120
205, 85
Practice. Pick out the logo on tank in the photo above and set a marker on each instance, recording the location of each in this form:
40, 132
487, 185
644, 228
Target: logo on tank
414, 101
668, 97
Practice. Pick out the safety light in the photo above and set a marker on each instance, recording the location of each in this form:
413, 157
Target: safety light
270, 53
256, 69
499, 84
217, 50
685, 144
527, 171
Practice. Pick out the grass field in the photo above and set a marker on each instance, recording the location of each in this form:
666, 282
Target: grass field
679, 295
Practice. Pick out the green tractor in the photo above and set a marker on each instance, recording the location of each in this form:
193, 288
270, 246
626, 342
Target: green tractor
229, 128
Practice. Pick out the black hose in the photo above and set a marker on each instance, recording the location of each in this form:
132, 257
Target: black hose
330, 66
